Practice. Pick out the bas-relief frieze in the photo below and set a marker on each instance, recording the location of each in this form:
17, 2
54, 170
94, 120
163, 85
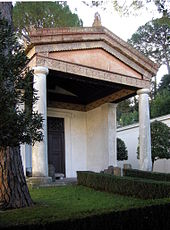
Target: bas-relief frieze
90, 72
32, 63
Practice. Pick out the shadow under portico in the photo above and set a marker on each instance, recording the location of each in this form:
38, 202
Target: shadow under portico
86, 93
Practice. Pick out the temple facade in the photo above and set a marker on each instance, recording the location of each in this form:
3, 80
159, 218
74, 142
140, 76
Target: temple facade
80, 75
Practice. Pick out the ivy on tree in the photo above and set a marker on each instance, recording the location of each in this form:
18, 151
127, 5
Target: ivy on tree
17, 125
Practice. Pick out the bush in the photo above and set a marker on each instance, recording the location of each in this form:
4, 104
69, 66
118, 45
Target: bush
122, 153
160, 144
145, 189
146, 175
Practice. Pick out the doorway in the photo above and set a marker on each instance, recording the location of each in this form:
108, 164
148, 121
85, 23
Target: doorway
56, 144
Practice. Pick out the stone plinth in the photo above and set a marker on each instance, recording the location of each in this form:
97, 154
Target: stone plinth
117, 171
127, 166
38, 181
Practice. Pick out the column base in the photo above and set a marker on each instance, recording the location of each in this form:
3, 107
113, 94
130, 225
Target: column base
38, 181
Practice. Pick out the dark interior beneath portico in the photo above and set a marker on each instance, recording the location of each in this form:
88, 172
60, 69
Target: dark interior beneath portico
71, 88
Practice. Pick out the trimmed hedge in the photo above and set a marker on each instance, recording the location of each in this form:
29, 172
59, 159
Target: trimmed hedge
146, 175
140, 188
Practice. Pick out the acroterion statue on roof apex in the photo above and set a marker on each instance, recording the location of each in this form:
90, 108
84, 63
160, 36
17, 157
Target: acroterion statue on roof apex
97, 20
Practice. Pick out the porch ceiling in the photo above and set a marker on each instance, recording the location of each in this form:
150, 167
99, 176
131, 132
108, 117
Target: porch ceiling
65, 88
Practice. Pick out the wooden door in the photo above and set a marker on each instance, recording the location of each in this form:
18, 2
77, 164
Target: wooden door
56, 144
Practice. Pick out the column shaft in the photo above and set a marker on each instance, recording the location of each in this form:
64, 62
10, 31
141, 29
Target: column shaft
39, 150
144, 130
21, 107
109, 120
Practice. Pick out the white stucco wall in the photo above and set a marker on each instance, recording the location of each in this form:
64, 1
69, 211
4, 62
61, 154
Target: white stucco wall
87, 145
101, 133
97, 159
130, 134
86, 141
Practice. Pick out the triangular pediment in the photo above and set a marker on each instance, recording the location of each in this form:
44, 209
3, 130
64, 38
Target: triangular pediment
95, 58
95, 47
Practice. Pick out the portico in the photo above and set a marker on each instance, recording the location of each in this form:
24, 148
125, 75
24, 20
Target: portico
81, 74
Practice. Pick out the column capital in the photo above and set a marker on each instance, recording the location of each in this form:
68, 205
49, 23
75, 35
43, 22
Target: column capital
114, 105
143, 91
41, 70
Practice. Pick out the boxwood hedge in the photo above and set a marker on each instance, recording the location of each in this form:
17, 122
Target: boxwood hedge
146, 175
136, 187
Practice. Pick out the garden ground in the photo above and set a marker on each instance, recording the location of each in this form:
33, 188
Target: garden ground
70, 202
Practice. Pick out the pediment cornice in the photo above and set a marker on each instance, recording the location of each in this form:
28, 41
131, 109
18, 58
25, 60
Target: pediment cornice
63, 39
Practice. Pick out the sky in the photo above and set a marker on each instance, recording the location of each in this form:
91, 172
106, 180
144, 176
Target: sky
123, 26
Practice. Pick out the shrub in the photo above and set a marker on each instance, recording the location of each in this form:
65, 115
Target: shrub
160, 144
122, 153
145, 189
146, 175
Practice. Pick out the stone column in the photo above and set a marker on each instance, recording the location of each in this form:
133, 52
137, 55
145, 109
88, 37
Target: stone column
144, 130
21, 107
112, 134
22, 151
109, 120
39, 150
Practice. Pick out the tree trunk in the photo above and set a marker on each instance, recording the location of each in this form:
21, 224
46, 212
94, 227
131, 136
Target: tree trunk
6, 11
14, 192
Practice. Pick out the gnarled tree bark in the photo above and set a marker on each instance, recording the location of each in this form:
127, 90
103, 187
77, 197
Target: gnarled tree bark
14, 192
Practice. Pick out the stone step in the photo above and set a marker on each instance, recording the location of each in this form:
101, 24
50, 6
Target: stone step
59, 176
59, 182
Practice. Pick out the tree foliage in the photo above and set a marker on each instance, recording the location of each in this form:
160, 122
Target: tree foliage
160, 137
43, 14
164, 83
161, 104
16, 125
133, 7
160, 142
127, 112
122, 153
152, 39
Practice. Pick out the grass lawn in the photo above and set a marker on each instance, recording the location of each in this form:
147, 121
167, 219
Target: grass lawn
59, 203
